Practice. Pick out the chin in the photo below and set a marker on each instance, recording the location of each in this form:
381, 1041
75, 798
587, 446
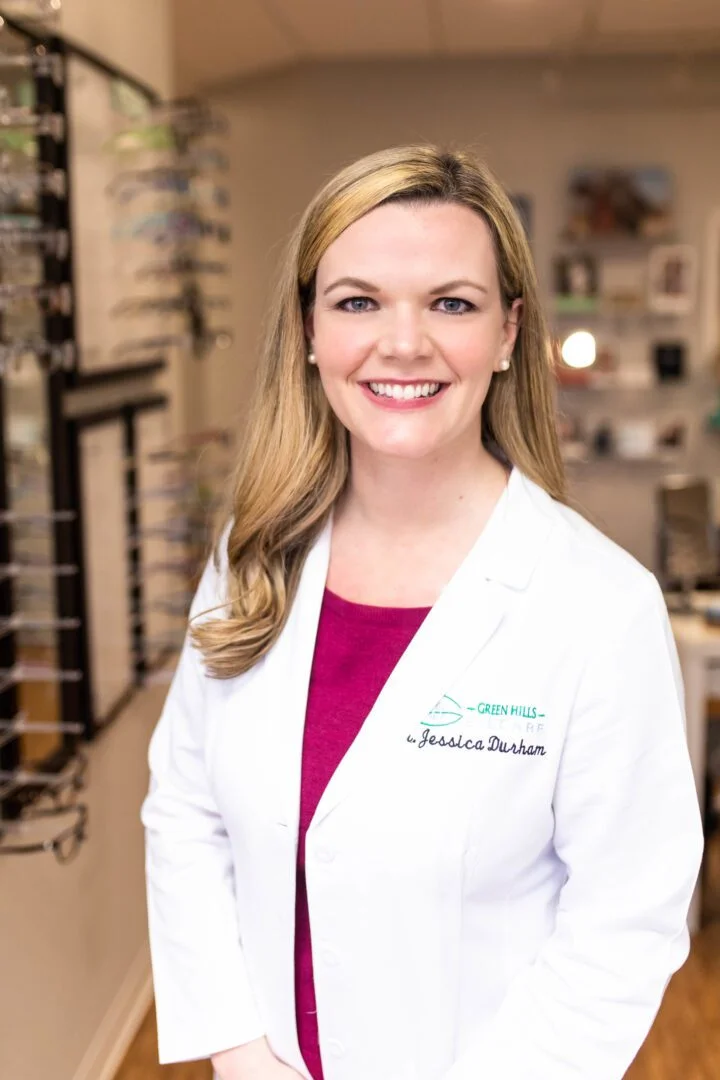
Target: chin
401, 450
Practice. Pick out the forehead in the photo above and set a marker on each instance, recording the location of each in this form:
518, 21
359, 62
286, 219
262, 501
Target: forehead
443, 239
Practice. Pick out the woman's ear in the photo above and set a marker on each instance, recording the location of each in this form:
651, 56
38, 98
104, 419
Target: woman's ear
512, 324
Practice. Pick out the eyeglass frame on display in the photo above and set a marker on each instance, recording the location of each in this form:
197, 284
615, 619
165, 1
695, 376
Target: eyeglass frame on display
78, 832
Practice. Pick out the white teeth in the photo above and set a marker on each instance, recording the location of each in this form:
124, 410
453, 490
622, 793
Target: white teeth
404, 391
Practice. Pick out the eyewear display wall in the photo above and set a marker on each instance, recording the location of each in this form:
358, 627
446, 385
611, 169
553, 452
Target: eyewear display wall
47, 706
112, 248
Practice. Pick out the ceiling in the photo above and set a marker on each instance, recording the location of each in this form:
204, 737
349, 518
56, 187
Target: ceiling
219, 41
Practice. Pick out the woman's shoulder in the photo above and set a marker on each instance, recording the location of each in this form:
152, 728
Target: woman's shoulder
596, 571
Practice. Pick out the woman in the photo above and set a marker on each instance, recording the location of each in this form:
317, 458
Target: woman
426, 711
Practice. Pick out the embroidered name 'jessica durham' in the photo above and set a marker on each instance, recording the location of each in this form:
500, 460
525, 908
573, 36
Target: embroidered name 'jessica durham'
493, 744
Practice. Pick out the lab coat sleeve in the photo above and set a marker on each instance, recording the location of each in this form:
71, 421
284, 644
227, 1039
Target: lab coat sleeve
203, 999
628, 830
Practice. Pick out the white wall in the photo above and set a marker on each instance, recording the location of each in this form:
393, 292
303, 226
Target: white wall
292, 131
73, 938
134, 35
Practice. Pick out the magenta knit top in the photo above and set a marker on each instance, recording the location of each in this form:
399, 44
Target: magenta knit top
356, 648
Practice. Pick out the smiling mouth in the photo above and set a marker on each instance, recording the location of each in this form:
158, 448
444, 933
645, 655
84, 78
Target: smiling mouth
405, 391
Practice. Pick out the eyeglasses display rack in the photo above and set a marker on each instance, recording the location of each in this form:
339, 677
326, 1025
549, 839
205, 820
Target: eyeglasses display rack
44, 674
180, 491
168, 196
109, 234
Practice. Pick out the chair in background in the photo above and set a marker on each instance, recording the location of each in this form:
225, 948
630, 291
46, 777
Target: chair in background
687, 539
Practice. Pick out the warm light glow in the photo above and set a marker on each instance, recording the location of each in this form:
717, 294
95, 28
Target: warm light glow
579, 350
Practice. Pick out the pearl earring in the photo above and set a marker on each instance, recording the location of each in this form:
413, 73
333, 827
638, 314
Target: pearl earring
311, 357
505, 363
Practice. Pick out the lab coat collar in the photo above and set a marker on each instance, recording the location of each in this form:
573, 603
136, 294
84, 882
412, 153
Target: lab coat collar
465, 617
511, 543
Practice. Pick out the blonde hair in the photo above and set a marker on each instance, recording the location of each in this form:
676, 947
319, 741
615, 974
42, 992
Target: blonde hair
294, 462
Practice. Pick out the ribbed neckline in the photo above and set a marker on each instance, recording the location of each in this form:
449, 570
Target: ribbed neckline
349, 609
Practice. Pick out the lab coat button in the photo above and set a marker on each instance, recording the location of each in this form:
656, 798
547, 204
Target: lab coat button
336, 1048
325, 855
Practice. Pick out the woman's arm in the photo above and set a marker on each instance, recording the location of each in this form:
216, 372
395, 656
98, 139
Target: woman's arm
203, 997
628, 829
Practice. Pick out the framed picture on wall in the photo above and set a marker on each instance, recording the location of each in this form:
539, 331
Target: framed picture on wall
575, 279
672, 279
623, 283
606, 202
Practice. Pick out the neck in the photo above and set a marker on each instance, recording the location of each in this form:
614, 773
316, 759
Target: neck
399, 497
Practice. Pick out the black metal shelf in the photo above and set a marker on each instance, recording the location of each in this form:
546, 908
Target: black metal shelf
24, 784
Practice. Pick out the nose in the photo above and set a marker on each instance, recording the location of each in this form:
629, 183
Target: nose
404, 335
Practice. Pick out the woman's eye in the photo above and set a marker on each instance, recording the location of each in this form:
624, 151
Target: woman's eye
355, 304
456, 306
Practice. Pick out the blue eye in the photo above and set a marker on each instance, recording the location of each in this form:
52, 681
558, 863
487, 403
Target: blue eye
353, 300
465, 307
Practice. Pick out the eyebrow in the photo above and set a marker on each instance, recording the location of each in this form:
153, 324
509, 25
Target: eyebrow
455, 284
358, 283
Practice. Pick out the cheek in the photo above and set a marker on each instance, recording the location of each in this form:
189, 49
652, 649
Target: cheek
339, 356
472, 359
470, 347
341, 345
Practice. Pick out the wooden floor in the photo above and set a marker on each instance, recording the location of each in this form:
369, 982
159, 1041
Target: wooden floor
684, 1044
141, 1061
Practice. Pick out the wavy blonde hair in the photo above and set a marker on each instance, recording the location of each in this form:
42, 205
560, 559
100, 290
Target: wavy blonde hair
295, 460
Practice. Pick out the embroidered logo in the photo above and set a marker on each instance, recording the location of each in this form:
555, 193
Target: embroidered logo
448, 712
489, 716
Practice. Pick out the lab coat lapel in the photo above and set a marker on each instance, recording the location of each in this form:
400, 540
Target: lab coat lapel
465, 617
442, 649
287, 673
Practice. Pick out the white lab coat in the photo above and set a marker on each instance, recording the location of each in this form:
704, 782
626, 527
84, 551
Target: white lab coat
500, 869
